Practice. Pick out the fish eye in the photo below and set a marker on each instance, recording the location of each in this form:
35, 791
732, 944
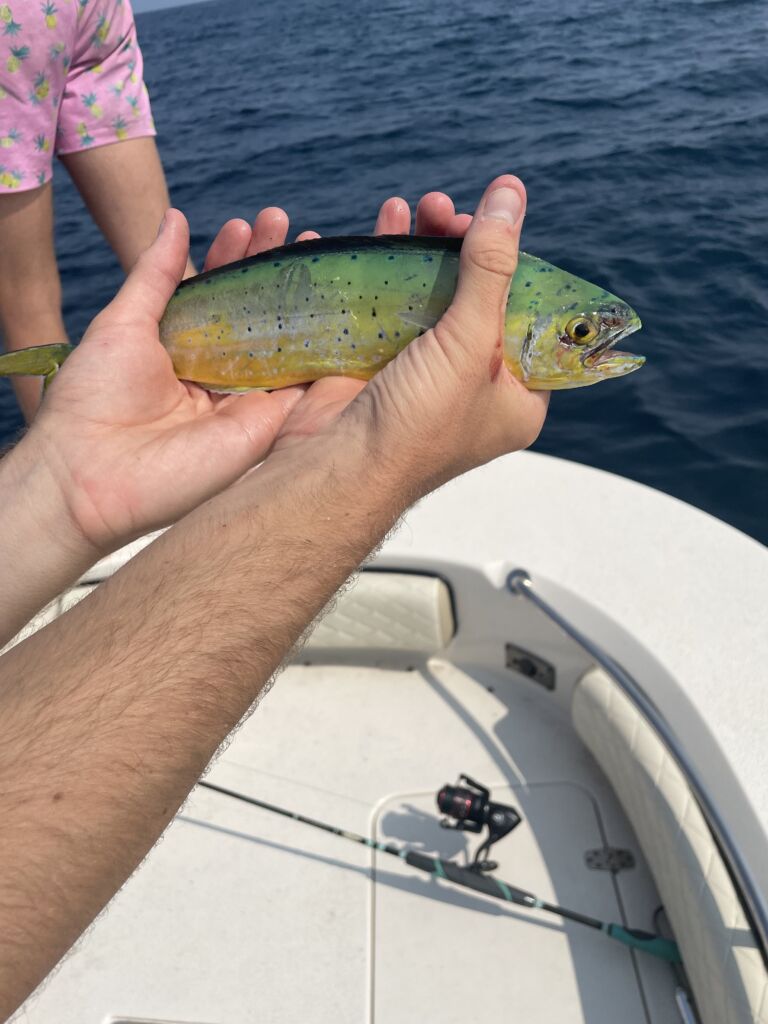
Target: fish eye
581, 330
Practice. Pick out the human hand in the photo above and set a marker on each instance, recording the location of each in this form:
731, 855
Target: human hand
131, 448
448, 401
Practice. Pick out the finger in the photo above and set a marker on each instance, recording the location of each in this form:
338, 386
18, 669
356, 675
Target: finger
270, 229
232, 440
488, 262
434, 213
305, 236
394, 218
458, 225
229, 245
323, 402
155, 276
255, 408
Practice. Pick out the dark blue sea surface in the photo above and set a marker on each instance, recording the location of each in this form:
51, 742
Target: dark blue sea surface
641, 131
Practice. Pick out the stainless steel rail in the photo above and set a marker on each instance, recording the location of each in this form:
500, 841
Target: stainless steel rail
520, 584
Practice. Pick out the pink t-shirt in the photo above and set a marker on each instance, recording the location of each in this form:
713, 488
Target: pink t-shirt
70, 78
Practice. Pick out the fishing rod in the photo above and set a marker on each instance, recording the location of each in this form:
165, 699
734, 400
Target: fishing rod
473, 809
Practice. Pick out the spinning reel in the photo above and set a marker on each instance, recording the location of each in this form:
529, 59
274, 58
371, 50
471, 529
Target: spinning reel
471, 807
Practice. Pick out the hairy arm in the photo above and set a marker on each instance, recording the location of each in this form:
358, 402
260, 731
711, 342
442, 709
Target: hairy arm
41, 550
111, 713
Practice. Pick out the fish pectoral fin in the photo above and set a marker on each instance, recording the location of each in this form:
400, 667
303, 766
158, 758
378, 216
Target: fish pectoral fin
296, 284
421, 319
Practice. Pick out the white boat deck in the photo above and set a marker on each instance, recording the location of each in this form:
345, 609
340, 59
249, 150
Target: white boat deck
240, 916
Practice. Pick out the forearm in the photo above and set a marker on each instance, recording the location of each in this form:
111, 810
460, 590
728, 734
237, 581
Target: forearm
41, 552
110, 715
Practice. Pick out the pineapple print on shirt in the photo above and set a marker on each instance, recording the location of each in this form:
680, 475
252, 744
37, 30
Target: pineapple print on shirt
71, 78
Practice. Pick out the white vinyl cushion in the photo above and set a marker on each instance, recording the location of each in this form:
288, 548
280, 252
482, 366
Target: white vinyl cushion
381, 611
390, 611
727, 974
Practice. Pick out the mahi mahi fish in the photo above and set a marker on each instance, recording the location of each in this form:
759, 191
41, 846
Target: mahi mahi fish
347, 306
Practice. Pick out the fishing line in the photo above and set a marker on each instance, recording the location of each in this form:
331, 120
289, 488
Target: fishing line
475, 878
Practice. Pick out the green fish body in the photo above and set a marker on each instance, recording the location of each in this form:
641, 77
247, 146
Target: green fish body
347, 306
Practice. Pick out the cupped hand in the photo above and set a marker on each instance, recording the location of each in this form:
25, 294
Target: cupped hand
448, 401
131, 447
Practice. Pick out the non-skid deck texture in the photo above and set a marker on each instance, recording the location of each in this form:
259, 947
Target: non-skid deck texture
239, 917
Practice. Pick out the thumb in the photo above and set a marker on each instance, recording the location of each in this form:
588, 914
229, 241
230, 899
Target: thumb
156, 274
489, 260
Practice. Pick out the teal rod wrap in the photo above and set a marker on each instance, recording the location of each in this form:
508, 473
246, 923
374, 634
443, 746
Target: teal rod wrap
665, 949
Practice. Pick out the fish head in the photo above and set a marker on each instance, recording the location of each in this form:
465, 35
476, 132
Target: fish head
572, 346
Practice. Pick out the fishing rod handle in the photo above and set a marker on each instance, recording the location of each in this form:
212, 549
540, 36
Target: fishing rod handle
647, 942
470, 879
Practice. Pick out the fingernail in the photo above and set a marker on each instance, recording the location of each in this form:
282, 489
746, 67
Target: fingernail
504, 204
162, 225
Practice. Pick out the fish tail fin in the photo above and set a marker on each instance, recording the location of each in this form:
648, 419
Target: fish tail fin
40, 361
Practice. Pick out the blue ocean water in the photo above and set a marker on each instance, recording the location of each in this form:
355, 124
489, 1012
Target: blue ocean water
641, 131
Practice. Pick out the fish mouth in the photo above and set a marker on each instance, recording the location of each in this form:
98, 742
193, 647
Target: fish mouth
605, 356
